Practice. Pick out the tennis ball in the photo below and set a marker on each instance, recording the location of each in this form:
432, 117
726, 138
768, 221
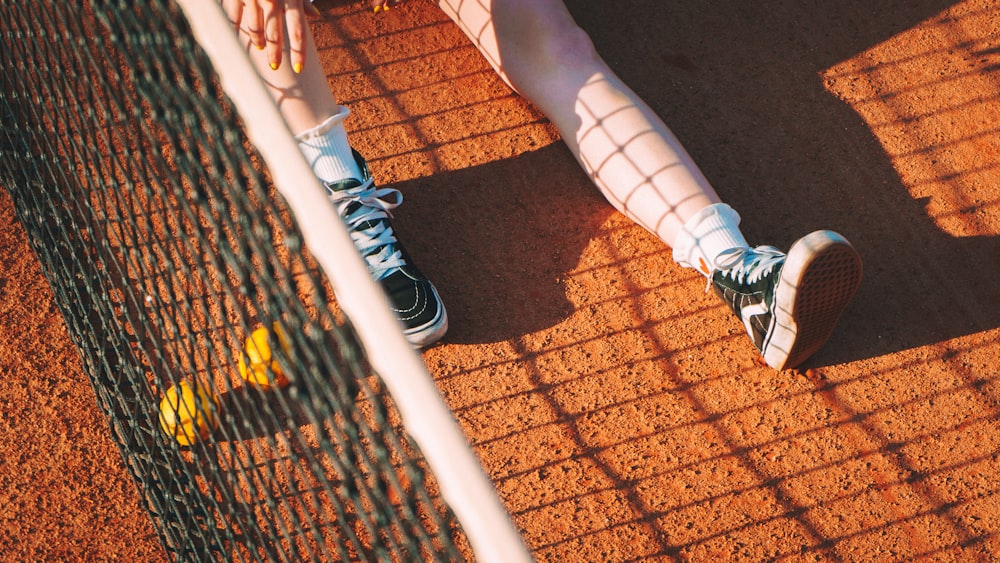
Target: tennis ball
186, 412
258, 366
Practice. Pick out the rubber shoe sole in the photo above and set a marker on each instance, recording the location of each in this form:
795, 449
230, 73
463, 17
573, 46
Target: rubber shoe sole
432, 331
820, 276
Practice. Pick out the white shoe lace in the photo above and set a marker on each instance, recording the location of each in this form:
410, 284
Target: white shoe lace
747, 265
376, 243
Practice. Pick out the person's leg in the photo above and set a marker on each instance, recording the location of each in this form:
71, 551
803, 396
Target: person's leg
642, 169
312, 113
628, 151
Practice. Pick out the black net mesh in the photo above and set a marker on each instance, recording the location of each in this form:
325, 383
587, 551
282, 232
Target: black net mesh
166, 249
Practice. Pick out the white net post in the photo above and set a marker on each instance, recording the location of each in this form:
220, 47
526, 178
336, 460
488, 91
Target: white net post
464, 485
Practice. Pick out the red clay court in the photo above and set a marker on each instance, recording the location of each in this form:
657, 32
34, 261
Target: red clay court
618, 408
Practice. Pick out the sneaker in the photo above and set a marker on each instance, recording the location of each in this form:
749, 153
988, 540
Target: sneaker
790, 303
413, 298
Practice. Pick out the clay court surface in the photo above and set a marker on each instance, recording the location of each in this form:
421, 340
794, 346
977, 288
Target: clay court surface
619, 409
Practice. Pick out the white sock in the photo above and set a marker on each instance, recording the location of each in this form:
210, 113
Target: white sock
327, 150
706, 236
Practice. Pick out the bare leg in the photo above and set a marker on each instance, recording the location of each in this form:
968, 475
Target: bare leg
630, 154
305, 99
313, 115
642, 169
309, 108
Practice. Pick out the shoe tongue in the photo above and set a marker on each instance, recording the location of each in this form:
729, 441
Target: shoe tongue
341, 185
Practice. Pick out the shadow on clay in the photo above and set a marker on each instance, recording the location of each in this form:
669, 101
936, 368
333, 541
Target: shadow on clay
776, 144
498, 240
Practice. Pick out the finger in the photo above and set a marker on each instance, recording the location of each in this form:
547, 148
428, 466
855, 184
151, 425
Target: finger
295, 19
234, 11
254, 17
274, 28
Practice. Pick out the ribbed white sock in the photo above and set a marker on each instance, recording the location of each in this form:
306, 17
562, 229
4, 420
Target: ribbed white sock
706, 235
328, 151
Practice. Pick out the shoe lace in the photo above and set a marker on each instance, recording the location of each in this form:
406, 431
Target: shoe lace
366, 209
747, 265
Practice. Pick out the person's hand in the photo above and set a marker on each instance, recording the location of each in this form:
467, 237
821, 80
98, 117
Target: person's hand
380, 5
265, 22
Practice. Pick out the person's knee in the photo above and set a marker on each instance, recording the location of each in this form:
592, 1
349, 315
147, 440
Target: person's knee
571, 47
547, 51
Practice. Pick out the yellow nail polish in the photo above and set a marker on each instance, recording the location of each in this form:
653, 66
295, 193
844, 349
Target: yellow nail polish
274, 66
297, 67
378, 8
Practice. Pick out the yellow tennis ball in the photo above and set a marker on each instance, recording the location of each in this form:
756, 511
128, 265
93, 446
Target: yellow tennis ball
258, 366
186, 412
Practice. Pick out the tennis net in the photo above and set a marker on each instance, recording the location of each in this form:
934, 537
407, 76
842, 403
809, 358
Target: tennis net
251, 411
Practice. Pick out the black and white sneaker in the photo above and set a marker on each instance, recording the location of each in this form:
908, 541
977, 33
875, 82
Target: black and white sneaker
790, 303
412, 296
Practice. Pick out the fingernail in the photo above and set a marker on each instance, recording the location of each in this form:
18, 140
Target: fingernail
378, 8
297, 67
274, 66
